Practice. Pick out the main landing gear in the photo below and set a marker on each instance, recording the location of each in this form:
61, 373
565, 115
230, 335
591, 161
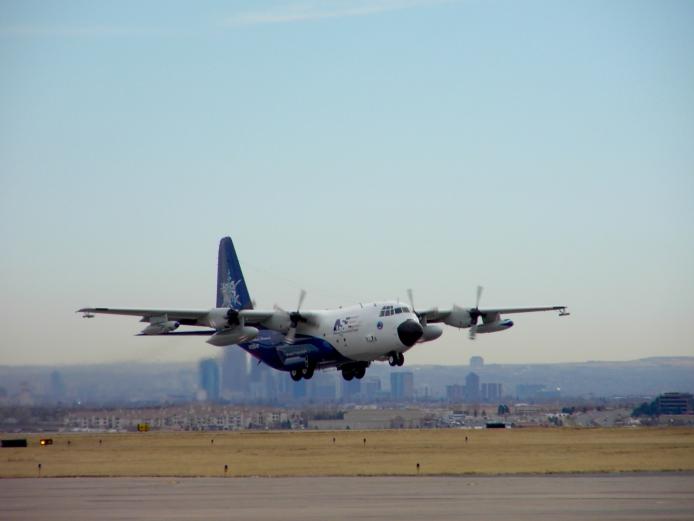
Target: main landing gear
395, 358
354, 371
304, 372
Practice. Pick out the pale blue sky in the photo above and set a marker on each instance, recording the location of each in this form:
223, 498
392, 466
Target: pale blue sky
543, 149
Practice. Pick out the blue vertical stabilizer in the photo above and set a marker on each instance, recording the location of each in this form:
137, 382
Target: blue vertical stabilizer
231, 286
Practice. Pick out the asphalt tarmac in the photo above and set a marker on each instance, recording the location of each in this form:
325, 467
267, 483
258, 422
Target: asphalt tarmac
605, 497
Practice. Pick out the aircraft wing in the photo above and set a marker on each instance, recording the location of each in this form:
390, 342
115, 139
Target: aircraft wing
507, 311
172, 314
188, 317
434, 314
440, 315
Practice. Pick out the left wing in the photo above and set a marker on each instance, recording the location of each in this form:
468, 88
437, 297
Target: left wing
507, 311
457, 315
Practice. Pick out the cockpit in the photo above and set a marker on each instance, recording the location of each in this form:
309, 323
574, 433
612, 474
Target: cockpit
389, 310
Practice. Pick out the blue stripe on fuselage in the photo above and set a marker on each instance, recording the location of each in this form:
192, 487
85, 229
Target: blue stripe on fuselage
269, 346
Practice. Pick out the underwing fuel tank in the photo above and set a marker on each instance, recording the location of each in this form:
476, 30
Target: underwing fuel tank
235, 335
160, 328
493, 327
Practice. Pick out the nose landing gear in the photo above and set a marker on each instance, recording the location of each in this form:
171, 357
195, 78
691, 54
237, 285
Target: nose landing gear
395, 358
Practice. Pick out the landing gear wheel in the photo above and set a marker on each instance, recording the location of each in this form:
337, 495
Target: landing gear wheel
359, 372
296, 374
393, 359
401, 359
307, 372
347, 374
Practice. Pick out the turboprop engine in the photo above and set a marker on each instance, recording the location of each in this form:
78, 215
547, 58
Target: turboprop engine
430, 333
160, 328
459, 317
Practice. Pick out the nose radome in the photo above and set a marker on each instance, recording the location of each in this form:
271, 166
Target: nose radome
409, 332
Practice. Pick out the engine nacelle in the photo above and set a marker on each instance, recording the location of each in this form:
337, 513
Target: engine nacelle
279, 321
218, 318
235, 335
161, 328
459, 317
492, 327
431, 332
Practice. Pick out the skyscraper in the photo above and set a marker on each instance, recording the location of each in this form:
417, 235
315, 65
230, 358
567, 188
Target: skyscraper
57, 386
476, 362
472, 387
491, 392
209, 378
234, 372
402, 385
350, 389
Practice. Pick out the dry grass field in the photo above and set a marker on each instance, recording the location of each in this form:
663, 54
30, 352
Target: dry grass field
391, 452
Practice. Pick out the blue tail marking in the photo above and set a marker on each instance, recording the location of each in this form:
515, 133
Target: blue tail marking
232, 291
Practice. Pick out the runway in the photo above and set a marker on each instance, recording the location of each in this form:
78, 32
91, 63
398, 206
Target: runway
606, 497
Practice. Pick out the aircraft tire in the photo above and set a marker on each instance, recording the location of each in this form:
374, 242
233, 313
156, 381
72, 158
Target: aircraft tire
360, 372
393, 359
307, 372
401, 359
347, 374
296, 374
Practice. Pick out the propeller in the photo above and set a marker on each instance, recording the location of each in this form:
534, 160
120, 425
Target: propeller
232, 317
422, 318
475, 314
411, 298
294, 318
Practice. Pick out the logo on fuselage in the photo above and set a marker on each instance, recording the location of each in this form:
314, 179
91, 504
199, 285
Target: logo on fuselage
345, 325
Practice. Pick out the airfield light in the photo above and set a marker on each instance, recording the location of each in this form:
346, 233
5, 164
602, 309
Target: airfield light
46, 441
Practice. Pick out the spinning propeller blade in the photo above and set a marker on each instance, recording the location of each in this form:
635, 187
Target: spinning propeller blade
475, 314
294, 318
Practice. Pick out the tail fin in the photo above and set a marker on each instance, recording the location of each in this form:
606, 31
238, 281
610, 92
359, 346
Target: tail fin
231, 286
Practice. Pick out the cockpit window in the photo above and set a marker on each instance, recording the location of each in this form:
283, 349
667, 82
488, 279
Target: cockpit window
387, 311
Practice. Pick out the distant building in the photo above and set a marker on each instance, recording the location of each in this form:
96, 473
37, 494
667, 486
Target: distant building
57, 386
491, 392
528, 392
209, 378
537, 393
323, 386
675, 403
455, 393
472, 387
402, 385
299, 389
476, 362
371, 387
262, 385
351, 389
234, 372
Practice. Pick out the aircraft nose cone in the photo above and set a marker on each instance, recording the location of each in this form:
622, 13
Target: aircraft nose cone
409, 332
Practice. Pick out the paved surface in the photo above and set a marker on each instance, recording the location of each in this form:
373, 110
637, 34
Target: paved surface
632, 497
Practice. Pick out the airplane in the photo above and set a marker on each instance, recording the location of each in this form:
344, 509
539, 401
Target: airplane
302, 341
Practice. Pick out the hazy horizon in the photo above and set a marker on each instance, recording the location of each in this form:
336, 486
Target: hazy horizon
355, 149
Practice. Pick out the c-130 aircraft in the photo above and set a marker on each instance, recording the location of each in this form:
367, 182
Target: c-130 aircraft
301, 341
